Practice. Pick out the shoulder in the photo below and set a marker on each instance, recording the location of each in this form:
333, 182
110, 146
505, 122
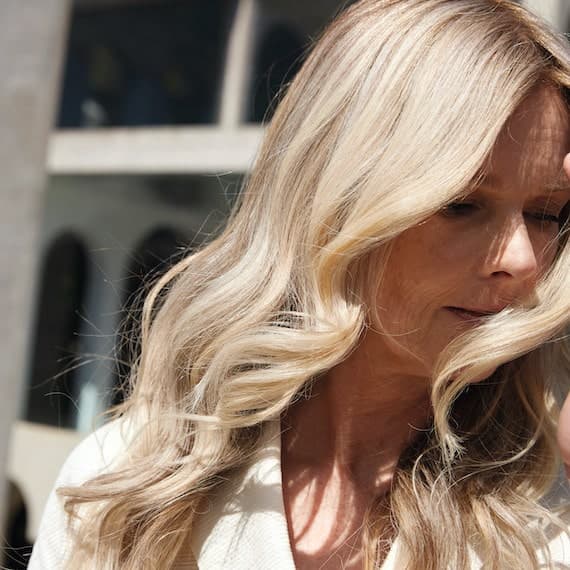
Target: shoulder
96, 454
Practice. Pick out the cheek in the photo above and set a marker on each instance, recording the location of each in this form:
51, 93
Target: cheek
431, 257
422, 273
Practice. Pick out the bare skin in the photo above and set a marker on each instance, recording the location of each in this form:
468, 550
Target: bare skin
341, 446
331, 476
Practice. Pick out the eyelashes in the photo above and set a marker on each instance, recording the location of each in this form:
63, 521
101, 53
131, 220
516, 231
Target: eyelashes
459, 209
465, 209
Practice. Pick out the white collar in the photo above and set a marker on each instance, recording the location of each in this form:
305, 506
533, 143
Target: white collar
245, 526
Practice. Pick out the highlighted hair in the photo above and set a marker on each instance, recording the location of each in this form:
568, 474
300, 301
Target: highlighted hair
390, 118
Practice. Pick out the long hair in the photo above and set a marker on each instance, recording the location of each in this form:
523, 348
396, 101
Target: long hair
391, 117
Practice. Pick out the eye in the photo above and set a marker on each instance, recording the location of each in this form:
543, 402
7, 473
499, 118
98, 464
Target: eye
544, 217
549, 219
460, 209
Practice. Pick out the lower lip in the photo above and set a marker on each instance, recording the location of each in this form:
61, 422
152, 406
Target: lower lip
466, 315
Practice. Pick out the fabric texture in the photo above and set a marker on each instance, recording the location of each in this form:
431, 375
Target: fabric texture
94, 455
243, 527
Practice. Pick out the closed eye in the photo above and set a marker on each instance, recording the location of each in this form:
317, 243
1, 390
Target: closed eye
465, 208
460, 209
544, 217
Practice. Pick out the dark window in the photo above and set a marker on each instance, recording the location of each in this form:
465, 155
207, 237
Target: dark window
158, 252
144, 62
278, 58
284, 37
55, 348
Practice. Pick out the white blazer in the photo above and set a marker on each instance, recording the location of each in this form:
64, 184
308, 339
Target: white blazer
244, 527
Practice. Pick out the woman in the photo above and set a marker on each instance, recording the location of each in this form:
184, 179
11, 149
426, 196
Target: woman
360, 371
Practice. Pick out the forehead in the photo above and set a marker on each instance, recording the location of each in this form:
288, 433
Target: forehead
532, 145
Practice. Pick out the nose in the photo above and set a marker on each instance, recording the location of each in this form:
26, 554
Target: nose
512, 255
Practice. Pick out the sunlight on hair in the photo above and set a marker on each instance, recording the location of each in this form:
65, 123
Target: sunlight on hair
391, 117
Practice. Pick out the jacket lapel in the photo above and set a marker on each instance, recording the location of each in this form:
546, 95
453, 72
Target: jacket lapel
244, 526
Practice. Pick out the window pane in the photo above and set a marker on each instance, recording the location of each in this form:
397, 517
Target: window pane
144, 63
285, 32
105, 240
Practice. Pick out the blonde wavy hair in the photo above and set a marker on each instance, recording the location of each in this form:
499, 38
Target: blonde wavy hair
391, 117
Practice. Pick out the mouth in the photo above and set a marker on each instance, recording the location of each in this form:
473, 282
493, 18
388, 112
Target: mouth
470, 314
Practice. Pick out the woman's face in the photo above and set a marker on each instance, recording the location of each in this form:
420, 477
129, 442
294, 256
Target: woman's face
483, 253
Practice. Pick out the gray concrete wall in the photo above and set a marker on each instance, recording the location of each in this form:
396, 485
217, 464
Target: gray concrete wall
556, 12
32, 38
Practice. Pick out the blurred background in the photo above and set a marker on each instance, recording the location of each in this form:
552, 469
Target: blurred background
126, 127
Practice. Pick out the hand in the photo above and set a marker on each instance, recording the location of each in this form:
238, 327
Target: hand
564, 423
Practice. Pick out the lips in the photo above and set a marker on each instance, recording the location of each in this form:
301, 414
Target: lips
472, 314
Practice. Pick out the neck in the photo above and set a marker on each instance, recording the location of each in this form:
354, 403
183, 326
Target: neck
360, 417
